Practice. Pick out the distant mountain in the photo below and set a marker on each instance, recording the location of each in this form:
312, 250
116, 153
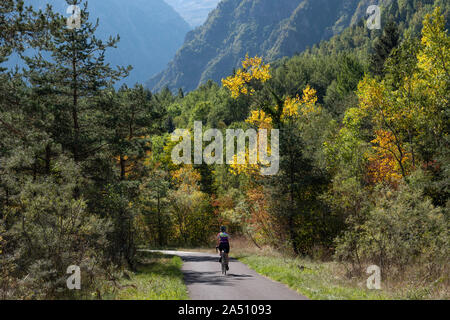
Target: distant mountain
150, 32
271, 28
194, 12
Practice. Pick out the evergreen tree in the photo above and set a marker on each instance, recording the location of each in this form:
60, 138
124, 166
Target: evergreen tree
154, 205
350, 73
383, 47
180, 93
73, 77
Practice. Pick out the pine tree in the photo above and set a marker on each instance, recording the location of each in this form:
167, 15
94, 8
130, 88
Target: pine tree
383, 47
128, 117
73, 77
180, 93
49, 228
350, 73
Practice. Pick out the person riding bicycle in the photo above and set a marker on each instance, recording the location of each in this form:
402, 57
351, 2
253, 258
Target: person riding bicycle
223, 243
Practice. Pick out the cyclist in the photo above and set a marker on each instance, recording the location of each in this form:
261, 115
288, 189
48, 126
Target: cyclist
223, 243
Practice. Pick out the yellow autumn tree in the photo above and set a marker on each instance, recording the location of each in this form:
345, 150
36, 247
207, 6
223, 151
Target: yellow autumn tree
414, 110
389, 159
252, 69
385, 159
292, 109
189, 206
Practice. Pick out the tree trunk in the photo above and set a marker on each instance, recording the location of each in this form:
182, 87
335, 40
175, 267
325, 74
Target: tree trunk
48, 153
76, 125
122, 168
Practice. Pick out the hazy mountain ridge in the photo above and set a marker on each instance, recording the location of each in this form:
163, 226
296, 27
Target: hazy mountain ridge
269, 28
151, 32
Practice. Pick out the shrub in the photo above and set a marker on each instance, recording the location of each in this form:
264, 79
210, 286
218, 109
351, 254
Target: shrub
404, 229
53, 230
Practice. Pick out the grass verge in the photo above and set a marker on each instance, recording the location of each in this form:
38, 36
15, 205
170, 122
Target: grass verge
311, 279
320, 280
158, 277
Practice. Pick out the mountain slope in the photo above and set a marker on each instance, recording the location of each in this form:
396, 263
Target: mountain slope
150, 32
271, 28
194, 12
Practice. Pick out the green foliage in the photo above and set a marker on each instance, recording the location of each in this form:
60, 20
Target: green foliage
47, 231
61, 202
402, 230
154, 205
383, 47
190, 209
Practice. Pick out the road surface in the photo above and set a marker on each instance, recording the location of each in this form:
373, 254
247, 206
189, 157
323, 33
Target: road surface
204, 280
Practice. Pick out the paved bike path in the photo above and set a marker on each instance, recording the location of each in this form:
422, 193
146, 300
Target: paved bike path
204, 280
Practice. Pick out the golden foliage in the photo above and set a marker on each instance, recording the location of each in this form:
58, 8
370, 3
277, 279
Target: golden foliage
260, 221
415, 108
260, 119
253, 69
186, 177
306, 104
290, 107
384, 163
246, 168
309, 101
291, 110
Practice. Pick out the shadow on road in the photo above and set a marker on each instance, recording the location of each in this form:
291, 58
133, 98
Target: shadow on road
204, 258
212, 278
237, 276
207, 278
195, 258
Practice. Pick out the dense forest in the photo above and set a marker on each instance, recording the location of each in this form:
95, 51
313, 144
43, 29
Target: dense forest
86, 175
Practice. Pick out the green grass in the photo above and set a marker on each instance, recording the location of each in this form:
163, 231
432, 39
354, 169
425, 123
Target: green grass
158, 277
318, 280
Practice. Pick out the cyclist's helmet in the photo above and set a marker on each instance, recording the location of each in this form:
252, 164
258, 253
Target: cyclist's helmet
223, 229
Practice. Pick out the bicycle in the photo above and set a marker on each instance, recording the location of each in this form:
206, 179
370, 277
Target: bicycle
223, 262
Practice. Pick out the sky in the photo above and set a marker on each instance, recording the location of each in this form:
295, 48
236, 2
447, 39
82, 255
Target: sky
194, 12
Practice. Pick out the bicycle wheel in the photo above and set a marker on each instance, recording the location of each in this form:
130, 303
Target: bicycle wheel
224, 265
